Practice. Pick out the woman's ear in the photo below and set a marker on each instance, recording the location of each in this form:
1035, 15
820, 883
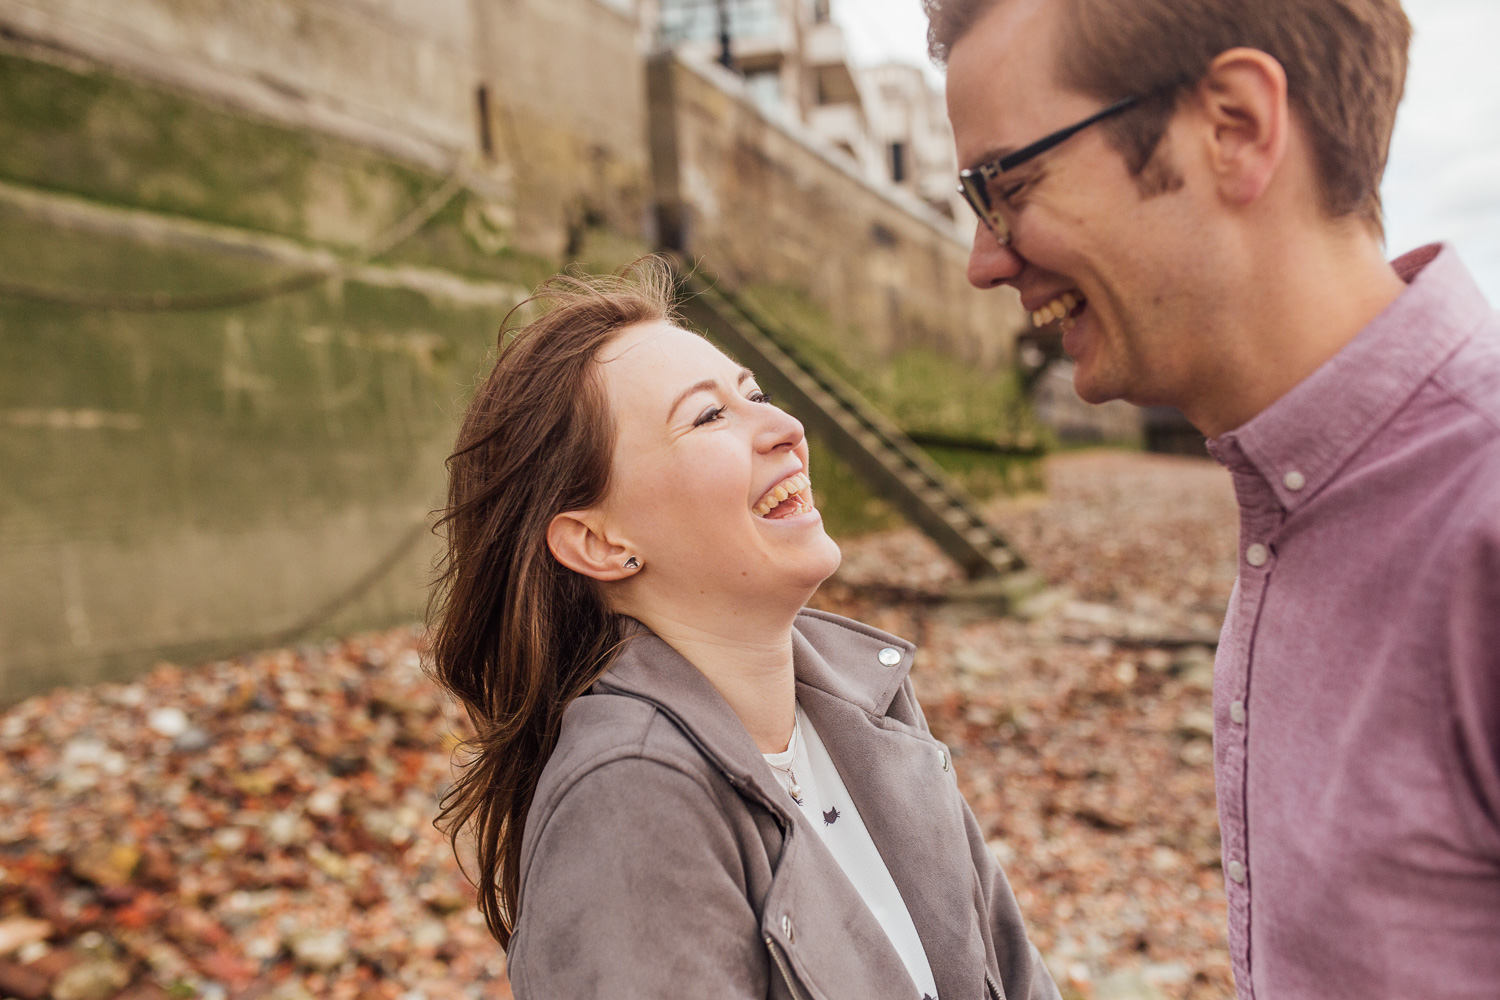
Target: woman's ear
577, 544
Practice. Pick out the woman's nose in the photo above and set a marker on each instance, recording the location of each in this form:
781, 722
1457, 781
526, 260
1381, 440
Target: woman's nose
780, 430
991, 264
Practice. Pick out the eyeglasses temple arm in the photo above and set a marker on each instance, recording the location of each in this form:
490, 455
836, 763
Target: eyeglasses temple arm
1036, 149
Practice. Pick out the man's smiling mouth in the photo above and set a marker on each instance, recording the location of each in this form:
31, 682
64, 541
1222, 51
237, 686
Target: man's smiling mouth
1067, 305
787, 498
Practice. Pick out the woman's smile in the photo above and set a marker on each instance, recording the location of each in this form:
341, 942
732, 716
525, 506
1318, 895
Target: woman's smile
789, 498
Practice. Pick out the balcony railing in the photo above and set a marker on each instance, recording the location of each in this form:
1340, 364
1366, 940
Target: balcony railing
685, 21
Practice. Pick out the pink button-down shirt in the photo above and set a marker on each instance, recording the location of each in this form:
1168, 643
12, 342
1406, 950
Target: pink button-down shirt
1357, 689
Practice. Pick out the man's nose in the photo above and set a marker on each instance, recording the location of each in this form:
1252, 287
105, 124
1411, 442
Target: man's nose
991, 264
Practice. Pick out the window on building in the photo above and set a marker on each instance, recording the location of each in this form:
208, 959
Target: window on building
898, 162
764, 88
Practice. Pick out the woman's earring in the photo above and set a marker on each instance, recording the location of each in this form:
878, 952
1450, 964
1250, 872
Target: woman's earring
632, 563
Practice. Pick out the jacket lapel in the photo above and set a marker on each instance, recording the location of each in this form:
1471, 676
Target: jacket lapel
908, 800
894, 775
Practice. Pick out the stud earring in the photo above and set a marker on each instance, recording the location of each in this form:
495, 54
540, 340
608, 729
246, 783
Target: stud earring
632, 563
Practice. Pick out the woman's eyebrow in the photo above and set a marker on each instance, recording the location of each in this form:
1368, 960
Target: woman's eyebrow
704, 386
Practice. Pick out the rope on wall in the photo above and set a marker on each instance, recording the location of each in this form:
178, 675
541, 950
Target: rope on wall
346, 598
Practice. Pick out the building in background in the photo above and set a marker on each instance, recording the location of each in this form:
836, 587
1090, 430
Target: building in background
793, 58
909, 122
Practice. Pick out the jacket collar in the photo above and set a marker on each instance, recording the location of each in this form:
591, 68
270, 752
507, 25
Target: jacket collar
834, 655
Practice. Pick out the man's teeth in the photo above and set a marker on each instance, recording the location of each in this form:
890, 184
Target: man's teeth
1056, 309
786, 488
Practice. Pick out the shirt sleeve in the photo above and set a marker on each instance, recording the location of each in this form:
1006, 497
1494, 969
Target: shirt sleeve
636, 892
1473, 641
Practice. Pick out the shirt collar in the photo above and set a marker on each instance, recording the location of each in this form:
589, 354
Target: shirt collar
1316, 428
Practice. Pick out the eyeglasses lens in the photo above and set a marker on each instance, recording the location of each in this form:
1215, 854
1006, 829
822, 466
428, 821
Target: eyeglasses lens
978, 192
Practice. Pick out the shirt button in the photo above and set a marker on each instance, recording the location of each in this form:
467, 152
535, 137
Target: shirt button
1237, 872
1295, 480
786, 926
890, 656
1257, 555
1237, 712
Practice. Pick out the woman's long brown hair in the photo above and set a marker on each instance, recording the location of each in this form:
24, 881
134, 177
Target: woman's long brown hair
515, 636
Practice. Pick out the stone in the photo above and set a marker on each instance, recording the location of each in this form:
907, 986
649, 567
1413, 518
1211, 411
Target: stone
1196, 725
321, 950
1126, 986
96, 979
1196, 753
192, 740
169, 721
326, 802
105, 865
429, 934
17, 932
1157, 660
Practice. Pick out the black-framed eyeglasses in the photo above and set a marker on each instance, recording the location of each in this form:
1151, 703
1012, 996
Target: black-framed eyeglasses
978, 184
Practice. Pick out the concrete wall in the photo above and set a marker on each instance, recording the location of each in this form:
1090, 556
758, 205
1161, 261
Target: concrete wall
565, 88
390, 73
570, 117
195, 483
760, 202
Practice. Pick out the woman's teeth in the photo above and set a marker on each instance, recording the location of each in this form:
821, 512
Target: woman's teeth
1057, 308
790, 487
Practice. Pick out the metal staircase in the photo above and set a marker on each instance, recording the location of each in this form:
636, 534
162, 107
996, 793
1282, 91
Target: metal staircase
869, 442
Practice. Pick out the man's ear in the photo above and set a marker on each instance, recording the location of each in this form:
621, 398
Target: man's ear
577, 544
1244, 97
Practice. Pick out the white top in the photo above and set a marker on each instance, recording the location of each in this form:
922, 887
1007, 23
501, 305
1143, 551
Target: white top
830, 810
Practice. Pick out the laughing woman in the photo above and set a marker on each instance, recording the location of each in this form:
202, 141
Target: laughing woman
683, 784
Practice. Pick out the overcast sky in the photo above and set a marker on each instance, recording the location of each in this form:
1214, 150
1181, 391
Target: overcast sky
1443, 182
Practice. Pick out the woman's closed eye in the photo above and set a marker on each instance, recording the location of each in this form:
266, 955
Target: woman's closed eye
713, 413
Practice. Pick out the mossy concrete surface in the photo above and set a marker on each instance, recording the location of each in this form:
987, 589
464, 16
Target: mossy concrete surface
191, 484
127, 142
198, 483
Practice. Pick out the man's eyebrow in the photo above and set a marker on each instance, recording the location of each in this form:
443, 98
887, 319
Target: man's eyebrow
704, 386
991, 155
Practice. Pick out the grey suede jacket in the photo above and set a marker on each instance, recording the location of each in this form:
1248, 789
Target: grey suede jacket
661, 859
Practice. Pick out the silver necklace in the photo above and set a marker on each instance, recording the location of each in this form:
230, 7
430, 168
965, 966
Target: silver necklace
792, 787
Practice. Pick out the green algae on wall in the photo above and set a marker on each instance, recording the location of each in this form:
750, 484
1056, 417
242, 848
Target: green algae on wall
116, 140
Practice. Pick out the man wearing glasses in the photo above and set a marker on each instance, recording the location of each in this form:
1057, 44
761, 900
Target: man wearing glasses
1190, 189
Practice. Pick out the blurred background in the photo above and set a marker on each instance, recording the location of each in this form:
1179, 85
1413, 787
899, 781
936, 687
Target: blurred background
253, 258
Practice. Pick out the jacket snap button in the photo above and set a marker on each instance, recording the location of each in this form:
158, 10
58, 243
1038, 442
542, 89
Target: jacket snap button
943, 756
890, 656
786, 927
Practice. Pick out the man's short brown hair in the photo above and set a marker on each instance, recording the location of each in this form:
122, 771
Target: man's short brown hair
1345, 62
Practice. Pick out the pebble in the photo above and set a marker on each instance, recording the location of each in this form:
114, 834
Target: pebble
95, 979
104, 864
192, 740
1126, 986
18, 932
1198, 723
170, 721
321, 950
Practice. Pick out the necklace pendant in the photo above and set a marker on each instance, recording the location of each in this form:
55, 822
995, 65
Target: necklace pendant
796, 792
